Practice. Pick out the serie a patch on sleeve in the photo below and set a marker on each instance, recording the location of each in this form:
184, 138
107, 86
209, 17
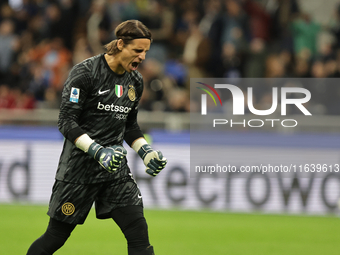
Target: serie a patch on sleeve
74, 97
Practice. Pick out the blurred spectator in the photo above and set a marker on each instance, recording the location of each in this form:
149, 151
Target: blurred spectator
98, 26
196, 51
275, 67
212, 9
59, 21
236, 25
8, 46
83, 7
55, 58
305, 34
176, 71
283, 13
15, 99
335, 28
7, 100
23, 100
301, 68
52, 99
229, 36
157, 85
318, 70
259, 20
39, 80
122, 10
254, 66
159, 17
35, 29
178, 101
6, 12
82, 50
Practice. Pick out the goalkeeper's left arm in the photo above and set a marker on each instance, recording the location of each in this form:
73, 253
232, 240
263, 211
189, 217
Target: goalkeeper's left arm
153, 160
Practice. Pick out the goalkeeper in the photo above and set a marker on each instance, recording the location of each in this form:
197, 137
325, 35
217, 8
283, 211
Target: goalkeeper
97, 113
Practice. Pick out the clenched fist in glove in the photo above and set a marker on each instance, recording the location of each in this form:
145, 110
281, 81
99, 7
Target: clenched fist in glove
153, 160
109, 157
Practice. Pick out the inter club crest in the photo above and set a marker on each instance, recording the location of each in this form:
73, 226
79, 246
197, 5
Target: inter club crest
68, 208
119, 90
132, 93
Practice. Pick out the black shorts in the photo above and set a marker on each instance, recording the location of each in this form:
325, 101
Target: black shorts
71, 203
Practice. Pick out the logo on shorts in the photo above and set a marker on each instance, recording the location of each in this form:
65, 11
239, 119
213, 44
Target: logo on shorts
68, 208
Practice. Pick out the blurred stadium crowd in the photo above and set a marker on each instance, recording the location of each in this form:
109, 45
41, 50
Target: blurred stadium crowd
40, 41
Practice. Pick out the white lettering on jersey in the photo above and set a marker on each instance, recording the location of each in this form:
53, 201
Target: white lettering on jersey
113, 108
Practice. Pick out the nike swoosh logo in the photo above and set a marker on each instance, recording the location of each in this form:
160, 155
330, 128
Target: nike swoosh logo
103, 92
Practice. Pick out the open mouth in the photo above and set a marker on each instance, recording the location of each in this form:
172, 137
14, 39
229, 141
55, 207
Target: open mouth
134, 65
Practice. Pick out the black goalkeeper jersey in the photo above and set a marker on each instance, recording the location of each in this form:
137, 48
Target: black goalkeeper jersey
102, 104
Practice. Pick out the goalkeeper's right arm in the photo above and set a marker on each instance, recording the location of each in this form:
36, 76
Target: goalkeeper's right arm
109, 158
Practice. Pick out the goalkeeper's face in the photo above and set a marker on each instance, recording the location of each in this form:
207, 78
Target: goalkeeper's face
131, 55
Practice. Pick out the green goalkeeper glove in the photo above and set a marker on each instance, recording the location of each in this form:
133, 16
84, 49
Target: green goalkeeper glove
109, 157
153, 160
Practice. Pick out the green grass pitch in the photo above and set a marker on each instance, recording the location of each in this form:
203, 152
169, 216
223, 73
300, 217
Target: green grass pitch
181, 233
